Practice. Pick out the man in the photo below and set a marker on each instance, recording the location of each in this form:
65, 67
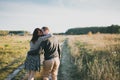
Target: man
51, 56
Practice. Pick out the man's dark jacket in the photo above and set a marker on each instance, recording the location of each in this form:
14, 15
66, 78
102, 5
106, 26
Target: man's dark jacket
51, 48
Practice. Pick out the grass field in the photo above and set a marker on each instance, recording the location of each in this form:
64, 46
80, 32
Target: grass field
96, 57
12, 53
91, 57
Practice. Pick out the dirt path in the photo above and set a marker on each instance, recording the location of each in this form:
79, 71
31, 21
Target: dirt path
66, 67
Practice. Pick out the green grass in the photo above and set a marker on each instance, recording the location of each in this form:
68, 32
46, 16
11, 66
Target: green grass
12, 53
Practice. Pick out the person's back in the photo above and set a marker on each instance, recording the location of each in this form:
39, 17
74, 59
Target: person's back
51, 48
52, 56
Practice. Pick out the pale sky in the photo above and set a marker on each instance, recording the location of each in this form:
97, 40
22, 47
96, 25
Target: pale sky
58, 15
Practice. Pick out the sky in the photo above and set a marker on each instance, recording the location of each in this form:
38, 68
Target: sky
58, 15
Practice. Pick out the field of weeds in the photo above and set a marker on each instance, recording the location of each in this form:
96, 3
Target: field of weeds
84, 57
12, 53
96, 57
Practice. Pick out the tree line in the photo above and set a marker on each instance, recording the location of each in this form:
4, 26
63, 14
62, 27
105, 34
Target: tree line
106, 29
6, 32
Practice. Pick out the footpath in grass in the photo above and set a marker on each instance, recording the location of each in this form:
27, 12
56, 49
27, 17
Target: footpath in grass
66, 70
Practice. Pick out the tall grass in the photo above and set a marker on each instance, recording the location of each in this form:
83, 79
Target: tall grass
12, 53
97, 57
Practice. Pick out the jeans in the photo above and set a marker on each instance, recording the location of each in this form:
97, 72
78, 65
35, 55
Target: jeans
50, 67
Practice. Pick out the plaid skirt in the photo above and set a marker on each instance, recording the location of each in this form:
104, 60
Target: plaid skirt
32, 62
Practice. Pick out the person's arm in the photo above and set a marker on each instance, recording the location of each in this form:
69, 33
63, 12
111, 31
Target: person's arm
45, 37
41, 47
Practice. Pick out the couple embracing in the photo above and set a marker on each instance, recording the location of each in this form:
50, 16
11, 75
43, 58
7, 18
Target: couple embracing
43, 40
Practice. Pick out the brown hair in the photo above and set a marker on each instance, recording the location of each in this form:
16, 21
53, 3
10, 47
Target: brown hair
35, 35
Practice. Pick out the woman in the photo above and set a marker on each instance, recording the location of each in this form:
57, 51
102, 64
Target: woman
32, 62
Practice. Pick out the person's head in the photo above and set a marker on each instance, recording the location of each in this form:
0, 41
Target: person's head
45, 30
36, 33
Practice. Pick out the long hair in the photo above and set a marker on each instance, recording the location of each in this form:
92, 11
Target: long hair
35, 35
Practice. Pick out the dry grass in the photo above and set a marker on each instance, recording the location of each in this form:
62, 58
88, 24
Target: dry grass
12, 53
97, 56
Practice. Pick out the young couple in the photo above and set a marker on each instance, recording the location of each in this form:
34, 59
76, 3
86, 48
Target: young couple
43, 40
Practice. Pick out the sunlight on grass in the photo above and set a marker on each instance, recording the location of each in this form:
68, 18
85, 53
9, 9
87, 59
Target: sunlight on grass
97, 57
12, 53
94, 56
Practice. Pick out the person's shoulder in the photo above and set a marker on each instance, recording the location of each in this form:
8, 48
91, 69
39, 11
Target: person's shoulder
39, 39
53, 38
